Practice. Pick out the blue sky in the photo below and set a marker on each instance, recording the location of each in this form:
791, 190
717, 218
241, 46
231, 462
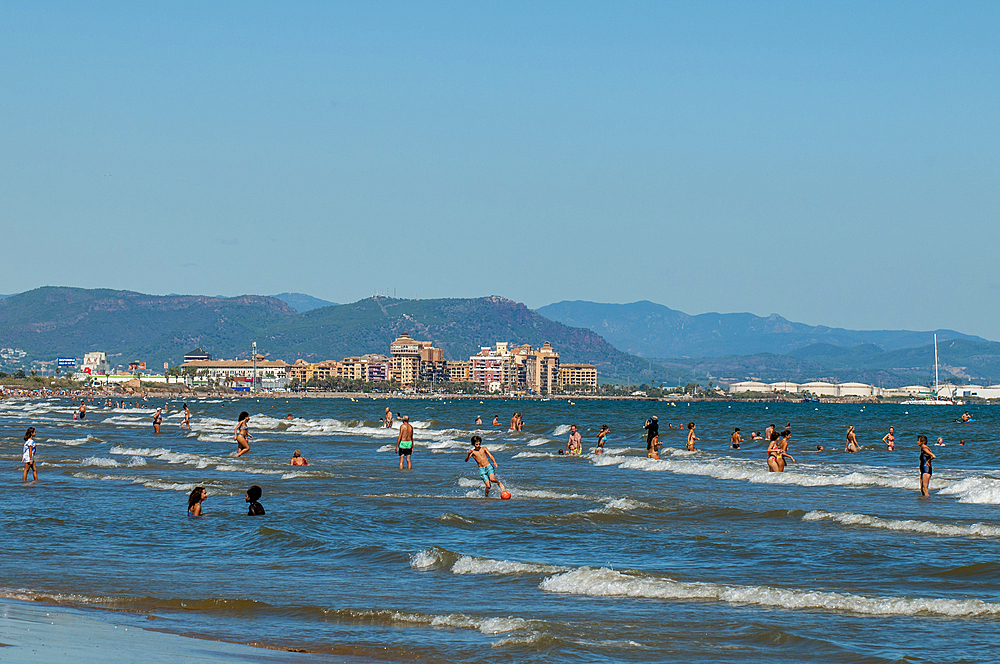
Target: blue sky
836, 163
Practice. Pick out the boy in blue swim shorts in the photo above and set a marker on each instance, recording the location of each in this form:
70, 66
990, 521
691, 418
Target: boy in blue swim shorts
487, 464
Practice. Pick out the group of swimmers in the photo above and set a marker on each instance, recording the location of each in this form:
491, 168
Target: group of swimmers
252, 497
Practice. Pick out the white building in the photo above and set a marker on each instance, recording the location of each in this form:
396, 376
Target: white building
820, 388
95, 364
271, 374
749, 386
791, 388
856, 390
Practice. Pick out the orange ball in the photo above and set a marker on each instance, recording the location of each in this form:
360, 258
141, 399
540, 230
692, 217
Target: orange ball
505, 495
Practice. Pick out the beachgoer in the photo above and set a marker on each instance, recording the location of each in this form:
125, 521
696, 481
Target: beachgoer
487, 464
939, 443
602, 436
253, 495
513, 422
289, 417
574, 444
199, 494
691, 437
83, 410
387, 420
298, 459
783, 450
652, 427
242, 434
852, 441
404, 443
768, 431
520, 421
890, 439
187, 417
926, 470
773, 454
157, 419
962, 442
28, 455
755, 435
479, 419
966, 417
735, 439
496, 420
819, 448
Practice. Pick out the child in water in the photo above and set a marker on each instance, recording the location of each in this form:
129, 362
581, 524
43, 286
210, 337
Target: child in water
253, 495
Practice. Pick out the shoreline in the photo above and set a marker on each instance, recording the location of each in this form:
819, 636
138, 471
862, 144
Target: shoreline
35, 631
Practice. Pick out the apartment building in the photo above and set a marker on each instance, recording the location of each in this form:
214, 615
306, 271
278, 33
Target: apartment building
542, 369
578, 374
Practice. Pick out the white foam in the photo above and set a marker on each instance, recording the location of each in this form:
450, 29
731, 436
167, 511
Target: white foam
426, 559
532, 455
473, 565
620, 505
561, 430
605, 582
980, 490
537, 441
101, 462
908, 525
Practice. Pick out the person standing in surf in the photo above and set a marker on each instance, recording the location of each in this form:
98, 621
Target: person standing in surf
404, 443
735, 439
28, 455
487, 464
574, 445
602, 437
83, 410
890, 439
387, 420
199, 494
242, 434
652, 427
157, 420
691, 437
926, 470
187, 418
852, 441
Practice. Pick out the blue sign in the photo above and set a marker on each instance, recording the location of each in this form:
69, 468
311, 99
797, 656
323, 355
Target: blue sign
66, 361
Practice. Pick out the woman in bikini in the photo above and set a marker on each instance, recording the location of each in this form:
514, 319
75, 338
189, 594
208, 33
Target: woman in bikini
852, 441
773, 454
890, 439
691, 437
242, 434
199, 494
783, 450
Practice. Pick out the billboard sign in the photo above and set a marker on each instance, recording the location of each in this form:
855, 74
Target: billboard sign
66, 362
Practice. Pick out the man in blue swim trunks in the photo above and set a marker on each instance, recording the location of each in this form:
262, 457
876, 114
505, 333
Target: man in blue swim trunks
487, 464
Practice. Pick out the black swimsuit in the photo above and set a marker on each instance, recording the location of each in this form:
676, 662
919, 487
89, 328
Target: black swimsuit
925, 464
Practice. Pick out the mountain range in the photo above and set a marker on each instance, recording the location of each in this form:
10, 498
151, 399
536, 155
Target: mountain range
54, 321
652, 330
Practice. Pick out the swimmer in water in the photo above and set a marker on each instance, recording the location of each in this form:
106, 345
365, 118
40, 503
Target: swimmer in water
298, 459
966, 417
479, 419
199, 494
487, 464
157, 419
691, 437
253, 494
819, 448
852, 441
574, 444
652, 427
496, 420
387, 420
926, 457
939, 443
242, 434
187, 418
735, 439
890, 439
602, 436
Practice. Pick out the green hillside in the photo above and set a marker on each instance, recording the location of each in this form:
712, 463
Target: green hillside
53, 321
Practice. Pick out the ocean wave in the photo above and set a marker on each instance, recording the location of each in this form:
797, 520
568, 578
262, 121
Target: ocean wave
604, 582
907, 525
474, 565
165, 454
105, 462
535, 442
532, 455
144, 481
978, 490
561, 430
620, 505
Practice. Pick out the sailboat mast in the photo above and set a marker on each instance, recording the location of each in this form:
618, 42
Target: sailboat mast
935, 368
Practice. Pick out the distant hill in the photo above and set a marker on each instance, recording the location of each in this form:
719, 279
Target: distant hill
652, 330
458, 326
302, 302
52, 321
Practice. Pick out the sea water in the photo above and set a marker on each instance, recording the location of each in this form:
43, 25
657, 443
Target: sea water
700, 555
